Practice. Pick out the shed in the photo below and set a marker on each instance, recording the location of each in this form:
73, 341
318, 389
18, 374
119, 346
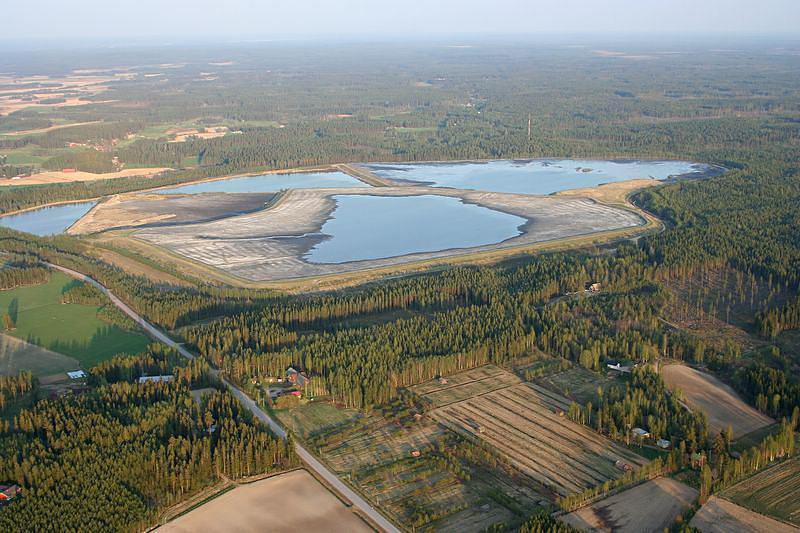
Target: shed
663, 443
641, 433
146, 379
9, 492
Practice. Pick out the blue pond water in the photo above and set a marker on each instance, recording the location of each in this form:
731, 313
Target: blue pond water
271, 183
47, 220
372, 227
536, 176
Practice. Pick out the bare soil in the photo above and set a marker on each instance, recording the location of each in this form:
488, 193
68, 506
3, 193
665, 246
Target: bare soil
722, 516
647, 508
57, 176
290, 502
721, 403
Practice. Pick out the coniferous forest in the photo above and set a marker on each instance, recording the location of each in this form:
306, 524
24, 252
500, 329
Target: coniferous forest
118, 454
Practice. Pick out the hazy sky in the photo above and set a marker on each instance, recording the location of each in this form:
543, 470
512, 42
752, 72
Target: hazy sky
268, 19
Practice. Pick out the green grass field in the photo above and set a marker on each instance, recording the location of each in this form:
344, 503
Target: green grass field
71, 329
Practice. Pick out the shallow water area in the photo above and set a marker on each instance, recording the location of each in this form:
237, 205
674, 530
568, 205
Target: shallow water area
366, 227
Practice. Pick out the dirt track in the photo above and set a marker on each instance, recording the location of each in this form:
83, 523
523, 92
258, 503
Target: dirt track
708, 394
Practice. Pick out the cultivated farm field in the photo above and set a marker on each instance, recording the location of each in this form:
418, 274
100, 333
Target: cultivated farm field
773, 492
522, 423
647, 508
70, 329
17, 355
400, 469
721, 516
294, 501
722, 405
463, 385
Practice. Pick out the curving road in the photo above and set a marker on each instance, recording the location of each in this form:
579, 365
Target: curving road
311, 462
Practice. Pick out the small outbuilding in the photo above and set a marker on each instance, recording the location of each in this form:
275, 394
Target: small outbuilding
146, 379
663, 443
77, 374
9, 492
640, 433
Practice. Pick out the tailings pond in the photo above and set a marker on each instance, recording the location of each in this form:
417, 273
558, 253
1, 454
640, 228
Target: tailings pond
372, 227
47, 220
538, 176
270, 183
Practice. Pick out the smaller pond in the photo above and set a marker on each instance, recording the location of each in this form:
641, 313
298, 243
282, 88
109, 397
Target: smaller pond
270, 183
375, 227
537, 176
47, 220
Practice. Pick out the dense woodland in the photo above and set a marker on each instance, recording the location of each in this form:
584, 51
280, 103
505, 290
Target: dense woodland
128, 450
366, 344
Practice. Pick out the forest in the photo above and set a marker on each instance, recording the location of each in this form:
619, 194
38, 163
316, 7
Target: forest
364, 346
125, 451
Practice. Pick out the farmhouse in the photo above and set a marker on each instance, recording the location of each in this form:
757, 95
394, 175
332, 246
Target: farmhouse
295, 377
9, 492
640, 433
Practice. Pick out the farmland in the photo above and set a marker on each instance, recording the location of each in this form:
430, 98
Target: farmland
722, 405
17, 355
315, 417
465, 385
576, 384
521, 423
70, 329
773, 492
647, 508
721, 516
294, 501
420, 474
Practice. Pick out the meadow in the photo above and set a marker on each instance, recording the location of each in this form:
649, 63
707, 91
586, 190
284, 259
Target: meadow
70, 329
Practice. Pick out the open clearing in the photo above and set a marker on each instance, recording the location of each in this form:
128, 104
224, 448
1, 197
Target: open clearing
289, 502
70, 329
647, 508
721, 516
17, 355
269, 245
774, 491
576, 384
57, 176
708, 394
523, 422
